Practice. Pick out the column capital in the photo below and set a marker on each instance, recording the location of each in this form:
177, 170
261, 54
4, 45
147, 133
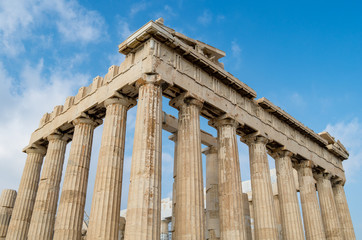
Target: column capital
223, 120
338, 182
35, 148
186, 98
209, 150
254, 138
87, 120
149, 78
173, 137
122, 100
280, 153
304, 164
60, 136
323, 175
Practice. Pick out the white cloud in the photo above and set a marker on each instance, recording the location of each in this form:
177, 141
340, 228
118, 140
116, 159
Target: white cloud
220, 18
76, 23
138, 7
235, 48
236, 53
24, 104
205, 18
349, 133
116, 59
124, 30
297, 100
166, 13
19, 18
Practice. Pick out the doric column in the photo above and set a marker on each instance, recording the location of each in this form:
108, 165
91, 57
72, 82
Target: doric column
343, 211
174, 139
312, 218
264, 212
278, 217
24, 203
247, 217
332, 226
212, 195
43, 218
69, 219
230, 190
106, 202
289, 206
251, 208
164, 229
122, 225
144, 196
190, 223
7, 201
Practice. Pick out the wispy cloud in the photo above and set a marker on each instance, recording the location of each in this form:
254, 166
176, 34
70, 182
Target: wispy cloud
297, 100
220, 18
20, 18
166, 13
205, 18
236, 53
349, 133
36, 94
76, 23
136, 8
124, 29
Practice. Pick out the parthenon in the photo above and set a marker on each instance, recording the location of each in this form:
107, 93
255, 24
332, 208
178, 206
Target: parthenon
160, 62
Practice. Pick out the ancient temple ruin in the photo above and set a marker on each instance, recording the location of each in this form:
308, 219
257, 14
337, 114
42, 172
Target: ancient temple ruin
160, 62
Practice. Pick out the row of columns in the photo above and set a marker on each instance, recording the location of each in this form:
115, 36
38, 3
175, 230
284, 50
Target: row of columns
35, 215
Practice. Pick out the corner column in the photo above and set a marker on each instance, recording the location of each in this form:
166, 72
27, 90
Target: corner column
230, 190
43, 219
24, 203
190, 223
264, 213
330, 218
69, 219
7, 201
343, 211
312, 217
212, 194
106, 202
292, 227
144, 196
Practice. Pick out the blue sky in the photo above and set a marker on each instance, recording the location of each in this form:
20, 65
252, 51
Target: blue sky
306, 57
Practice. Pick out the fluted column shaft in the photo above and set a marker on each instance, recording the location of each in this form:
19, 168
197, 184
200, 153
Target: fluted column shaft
313, 224
24, 204
212, 194
330, 218
190, 223
230, 190
174, 139
290, 214
164, 229
106, 202
252, 219
43, 218
264, 212
69, 219
7, 201
122, 225
343, 211
278, 216
144, 197
247, 217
